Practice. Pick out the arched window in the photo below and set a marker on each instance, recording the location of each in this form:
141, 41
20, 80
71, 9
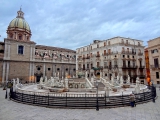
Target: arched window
20, 37
104, 43
11, 35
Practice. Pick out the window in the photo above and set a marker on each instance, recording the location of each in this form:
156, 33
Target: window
123, 56
11, 36
154, 51
104, 43
97, 64
87, 65
156, 63
122, 41
83, 66
38, 68
108, 42
49, 69
128, 56
157, 75
66, 69
105, 64
126, 41
20, 49
158, 82
132, 56
104, 52
91, 65
97, 45
74, 69
58, 69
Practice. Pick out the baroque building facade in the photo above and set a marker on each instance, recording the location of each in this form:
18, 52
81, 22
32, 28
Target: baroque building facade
22, 58
118, 55
154, 59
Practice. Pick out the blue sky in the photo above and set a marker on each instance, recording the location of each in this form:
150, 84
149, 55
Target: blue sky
75, 23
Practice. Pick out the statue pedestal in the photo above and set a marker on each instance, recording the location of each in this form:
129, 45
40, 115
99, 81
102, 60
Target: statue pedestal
126, 86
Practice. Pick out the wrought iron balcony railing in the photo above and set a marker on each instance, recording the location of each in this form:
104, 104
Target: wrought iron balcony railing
128, 52
129, 66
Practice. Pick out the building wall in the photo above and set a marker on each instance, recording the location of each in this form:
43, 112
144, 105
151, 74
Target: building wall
154, 53
19, 70
115, 49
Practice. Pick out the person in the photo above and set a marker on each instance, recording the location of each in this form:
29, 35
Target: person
132, 100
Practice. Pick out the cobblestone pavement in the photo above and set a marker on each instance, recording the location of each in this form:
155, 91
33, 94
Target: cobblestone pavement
10, 110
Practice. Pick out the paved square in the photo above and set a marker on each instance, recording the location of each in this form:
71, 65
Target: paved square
10, 110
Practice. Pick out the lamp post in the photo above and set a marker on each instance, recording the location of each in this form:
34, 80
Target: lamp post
6, 89
97, 106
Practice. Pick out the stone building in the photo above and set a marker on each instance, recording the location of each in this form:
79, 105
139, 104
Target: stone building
154, 59
118, 55
22, 58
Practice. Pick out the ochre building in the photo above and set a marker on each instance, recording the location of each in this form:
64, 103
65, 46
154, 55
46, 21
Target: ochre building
22, 58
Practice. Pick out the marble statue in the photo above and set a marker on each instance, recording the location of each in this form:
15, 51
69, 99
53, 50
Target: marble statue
128, 80
14, 85
17, 80
121, 80
58, 74
92, 80
66, 83
100, 74
112, 80
55, 74
45, 80
137, 87
41, 80
52, 81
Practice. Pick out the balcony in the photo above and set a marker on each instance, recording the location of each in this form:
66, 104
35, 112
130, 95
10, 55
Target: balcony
104, 54
79, 68
140, 54
128, 52
98, 55
141, 67
155, 67
129, 67
105, 67
141, 76
88, 57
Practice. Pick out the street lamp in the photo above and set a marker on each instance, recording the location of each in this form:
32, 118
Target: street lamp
6, 89
97, 106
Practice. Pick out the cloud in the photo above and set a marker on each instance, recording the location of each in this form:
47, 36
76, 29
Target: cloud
72, 24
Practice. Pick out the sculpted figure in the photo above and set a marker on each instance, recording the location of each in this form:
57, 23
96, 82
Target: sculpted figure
41, 80
17, 80
128, 80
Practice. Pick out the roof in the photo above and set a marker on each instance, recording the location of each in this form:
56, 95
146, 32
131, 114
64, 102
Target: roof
54, 48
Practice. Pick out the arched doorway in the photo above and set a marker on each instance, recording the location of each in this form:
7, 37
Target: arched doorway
98, 74
38, 76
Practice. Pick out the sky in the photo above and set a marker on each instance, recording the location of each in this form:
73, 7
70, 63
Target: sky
75, 23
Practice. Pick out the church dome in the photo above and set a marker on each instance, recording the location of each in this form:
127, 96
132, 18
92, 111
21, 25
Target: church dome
19, 23
18, 28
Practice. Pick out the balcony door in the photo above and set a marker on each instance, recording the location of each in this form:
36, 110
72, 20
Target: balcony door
156, 63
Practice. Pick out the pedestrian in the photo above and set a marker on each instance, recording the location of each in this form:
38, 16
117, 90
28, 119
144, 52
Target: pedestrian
132, 100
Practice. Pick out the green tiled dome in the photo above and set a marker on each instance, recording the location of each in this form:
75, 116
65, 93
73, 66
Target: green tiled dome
19, 23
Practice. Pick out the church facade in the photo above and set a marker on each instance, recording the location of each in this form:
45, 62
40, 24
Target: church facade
22, 58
